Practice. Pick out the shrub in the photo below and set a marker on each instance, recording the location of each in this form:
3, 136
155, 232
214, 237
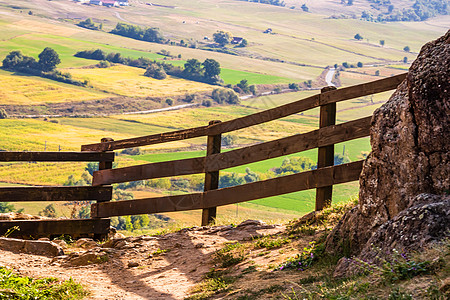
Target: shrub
155, 72
294, 86
169, 101
3, 114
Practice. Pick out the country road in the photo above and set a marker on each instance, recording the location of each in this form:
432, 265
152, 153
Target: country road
329, 76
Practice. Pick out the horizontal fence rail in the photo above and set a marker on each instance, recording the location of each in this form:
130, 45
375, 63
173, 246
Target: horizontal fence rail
56, 156
41, 228
333, 96
215, 162
55, 193
246, 192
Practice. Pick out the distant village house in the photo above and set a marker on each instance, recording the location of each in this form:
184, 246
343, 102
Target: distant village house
110, 3
236, 40
96, 2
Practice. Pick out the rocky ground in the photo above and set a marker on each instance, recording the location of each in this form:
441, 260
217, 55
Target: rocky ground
145, 267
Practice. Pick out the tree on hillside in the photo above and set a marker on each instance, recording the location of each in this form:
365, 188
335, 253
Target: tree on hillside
6, 207
243, 85
156, 72
305, 8
359, 64
358, 37
406, 49
222, 38
48, 59
211, 68
3, 114
48, 211
193, 67
382, 43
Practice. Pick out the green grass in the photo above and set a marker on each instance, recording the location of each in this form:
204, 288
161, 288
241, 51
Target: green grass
235, 76
14, 286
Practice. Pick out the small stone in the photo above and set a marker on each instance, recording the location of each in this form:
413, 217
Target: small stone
133, 264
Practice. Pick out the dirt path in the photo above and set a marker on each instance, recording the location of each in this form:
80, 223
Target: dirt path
166, 276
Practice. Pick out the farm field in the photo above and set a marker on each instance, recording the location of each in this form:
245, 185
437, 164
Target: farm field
131, 82
301, 47
30, 90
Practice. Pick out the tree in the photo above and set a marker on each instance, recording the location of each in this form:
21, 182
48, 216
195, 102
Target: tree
406, 49
250, 176
359, 64
156, 72
48, 59
377, 73
193, 67
169, 101
358, 37
294, 86
405, 60
252, 89
243, 85
305, 8
6, 207
211, 68
382, 43
48, 211
3, 114
222, 38
345, 64
243, 43
350, 2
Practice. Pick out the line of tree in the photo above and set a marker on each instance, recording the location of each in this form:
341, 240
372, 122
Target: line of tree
89, 24
271, 2
45, 67
152, 34
421, 10
207, 71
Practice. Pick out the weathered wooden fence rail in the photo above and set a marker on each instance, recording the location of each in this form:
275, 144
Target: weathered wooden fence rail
323, 178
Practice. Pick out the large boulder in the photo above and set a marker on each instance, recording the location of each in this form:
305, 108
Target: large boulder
410, 139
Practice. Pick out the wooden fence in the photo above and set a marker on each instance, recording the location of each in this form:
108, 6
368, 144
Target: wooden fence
96, 227
323, 178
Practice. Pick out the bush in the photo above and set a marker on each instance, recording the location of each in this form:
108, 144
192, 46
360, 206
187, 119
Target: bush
225, 96
207, 103
359, 64
169, 101
294, 86
155, 72
3, 114
103, 64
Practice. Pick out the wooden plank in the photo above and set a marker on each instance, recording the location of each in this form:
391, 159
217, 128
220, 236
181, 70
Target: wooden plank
283, 185
211, 178
54, 193
325, 153
251, 191
148, 171
57, 156
243, 122
148, 205
361, 90
40, 228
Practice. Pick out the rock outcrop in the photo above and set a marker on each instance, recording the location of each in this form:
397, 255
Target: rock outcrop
410, 138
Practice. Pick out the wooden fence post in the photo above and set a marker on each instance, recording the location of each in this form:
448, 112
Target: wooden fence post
211, 178
103, 165
326, 154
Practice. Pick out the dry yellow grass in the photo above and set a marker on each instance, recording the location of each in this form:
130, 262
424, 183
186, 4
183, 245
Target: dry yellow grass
46, 28
18, 90
130, 81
